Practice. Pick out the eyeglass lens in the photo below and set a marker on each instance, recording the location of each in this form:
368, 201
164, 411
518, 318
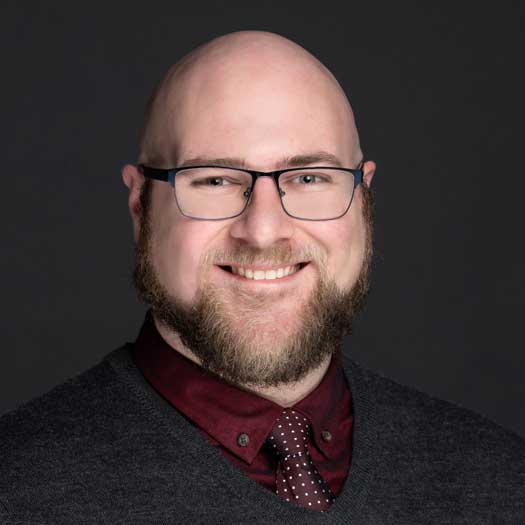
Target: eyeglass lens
219, 193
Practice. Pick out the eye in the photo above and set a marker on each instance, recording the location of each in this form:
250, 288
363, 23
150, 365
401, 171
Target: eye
213, 181
308, 178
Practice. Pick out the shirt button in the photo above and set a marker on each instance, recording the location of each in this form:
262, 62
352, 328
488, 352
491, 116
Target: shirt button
243, 440
326, 435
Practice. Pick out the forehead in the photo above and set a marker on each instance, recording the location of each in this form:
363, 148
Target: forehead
259, 116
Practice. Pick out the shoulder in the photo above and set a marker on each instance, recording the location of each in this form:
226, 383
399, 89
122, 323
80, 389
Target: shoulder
406, 404
76, 400
436, 440
46, 435
71, 444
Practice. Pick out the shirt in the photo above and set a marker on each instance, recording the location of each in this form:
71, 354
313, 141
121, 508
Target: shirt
238, 422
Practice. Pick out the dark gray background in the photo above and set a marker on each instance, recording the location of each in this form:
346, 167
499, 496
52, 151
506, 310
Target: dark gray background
438, 95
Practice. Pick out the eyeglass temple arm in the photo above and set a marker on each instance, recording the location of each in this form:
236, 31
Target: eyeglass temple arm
360, 175
154, 173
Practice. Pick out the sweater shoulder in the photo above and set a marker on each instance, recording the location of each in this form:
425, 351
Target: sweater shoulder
412, 417
99, 448
78, 409
439, 459
78, 395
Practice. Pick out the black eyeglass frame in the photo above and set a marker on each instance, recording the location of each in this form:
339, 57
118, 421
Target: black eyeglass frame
168, 175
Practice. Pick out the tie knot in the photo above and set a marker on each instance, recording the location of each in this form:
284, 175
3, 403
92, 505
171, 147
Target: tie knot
289, 435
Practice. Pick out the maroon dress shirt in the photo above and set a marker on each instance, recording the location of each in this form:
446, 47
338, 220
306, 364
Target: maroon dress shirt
239, 422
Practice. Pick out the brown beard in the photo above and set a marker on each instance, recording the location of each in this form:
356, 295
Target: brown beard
251, 355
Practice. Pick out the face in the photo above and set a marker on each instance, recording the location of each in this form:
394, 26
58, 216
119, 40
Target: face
267, 331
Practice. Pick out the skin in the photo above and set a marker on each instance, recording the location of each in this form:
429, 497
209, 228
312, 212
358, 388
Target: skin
219, 102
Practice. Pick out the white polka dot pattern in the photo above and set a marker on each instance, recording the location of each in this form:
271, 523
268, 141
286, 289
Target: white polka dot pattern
297, 478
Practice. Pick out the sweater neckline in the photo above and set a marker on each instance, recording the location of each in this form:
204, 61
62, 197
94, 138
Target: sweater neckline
353, 495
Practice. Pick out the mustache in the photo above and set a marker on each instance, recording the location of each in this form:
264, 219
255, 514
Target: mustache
285, 255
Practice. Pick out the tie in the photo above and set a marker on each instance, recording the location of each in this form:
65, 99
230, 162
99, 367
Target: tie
297, 478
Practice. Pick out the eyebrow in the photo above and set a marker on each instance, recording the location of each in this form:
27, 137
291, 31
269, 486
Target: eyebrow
295, 161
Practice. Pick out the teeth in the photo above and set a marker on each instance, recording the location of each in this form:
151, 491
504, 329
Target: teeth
268, 275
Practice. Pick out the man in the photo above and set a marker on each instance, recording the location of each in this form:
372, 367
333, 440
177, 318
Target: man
251, 211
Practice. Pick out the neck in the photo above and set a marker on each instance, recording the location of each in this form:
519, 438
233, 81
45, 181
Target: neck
285, 395
291, 393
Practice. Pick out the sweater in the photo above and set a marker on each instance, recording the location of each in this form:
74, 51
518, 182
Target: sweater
104, 447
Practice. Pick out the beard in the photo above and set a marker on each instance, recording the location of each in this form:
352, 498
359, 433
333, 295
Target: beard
235, 337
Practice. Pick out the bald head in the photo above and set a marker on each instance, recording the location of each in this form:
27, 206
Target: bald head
248, 95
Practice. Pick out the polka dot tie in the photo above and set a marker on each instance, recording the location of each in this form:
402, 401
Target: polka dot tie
297, 477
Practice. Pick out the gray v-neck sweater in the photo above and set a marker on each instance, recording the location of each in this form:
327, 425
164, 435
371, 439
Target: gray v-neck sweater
104, 447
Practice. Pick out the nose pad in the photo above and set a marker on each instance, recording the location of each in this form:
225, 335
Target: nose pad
249, 191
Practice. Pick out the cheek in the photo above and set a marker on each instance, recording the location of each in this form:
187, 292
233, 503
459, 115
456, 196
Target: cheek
177, 249
345, 242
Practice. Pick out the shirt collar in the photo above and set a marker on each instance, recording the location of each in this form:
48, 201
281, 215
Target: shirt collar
224, 411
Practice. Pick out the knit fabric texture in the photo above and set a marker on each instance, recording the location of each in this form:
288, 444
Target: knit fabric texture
104, 447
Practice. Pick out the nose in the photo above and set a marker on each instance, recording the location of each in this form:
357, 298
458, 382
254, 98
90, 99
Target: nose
264, 222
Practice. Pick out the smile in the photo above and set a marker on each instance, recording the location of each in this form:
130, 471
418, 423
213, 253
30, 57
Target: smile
264, 275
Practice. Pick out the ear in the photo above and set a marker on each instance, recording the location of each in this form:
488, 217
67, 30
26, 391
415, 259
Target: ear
134, 180
369, 169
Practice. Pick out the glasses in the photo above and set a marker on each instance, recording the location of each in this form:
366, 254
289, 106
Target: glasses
218, 192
